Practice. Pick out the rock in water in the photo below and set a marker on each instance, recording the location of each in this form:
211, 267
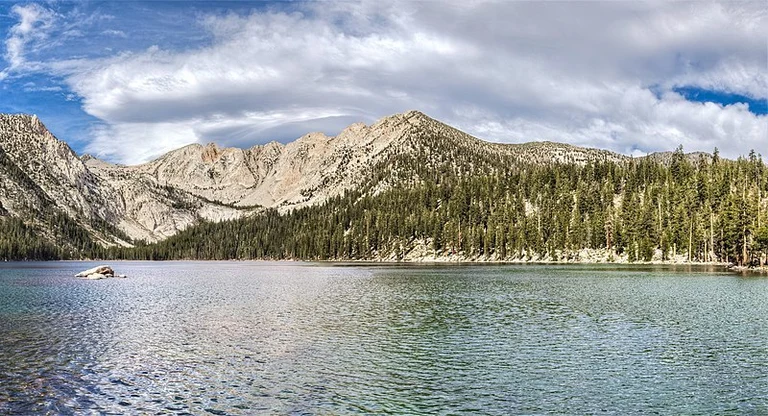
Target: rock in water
95, 276
105, 271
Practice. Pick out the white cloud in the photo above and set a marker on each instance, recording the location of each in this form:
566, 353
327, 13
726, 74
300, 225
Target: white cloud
579, 72
137, 142
34, 88
133, 143
34, 23
641, 123
115, 33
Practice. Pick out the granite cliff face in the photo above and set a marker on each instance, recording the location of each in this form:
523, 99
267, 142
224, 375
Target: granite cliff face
42, 180
117, 204
305, 171
315, 166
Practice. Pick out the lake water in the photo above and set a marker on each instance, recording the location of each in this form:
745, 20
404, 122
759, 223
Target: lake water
287, 338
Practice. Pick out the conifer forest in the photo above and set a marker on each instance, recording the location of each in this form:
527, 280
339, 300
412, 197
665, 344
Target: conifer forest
452, 202
705, 209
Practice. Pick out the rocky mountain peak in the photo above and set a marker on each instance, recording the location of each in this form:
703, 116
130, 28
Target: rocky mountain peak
159, 198
19, 119
29, 139
414, 116
314, 136
353, 130
210, 153
42, 177
17, 124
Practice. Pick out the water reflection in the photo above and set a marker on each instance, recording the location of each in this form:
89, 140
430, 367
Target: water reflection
245, 338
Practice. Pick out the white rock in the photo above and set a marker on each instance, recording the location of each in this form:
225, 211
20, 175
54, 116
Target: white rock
95, 276
103, 270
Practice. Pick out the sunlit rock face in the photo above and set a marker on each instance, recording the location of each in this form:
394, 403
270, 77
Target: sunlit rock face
157, 199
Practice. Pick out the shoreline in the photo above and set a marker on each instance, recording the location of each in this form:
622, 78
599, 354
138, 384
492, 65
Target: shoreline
745, 269
444, 260
425, 260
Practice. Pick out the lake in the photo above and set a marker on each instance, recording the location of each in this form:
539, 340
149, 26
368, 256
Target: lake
302, 338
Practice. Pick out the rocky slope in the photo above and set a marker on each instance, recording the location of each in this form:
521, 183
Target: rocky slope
42, 180
315, 166
304, 171
116, 204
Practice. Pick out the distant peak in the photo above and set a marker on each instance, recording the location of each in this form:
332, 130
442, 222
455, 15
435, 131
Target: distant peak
415, 113
17, 115
211, 153
20, 119
316, 135
24, 123
274, 143
354, 127
412, 115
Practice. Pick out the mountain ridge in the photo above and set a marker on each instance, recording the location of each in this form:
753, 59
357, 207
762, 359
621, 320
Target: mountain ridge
120, 204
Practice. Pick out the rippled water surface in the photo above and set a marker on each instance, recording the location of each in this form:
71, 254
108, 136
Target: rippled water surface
282, 338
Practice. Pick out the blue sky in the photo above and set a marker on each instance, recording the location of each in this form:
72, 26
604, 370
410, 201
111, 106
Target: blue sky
128, 81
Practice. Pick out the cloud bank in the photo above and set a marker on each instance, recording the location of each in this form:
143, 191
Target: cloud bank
588, 73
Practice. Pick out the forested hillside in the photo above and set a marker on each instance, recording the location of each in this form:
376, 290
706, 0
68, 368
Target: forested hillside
43, 232
405, 188
449, 202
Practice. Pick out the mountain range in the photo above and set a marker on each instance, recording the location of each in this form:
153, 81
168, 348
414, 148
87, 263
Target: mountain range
440, 184
155, 200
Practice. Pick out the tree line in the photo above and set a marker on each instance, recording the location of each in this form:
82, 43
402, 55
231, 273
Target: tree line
43, 232
706, 210
447, 200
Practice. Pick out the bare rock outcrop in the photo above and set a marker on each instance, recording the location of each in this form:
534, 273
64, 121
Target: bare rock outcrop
41, 177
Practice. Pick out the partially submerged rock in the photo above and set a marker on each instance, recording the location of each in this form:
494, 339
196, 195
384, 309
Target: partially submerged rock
94, 276
98, 273
104, 270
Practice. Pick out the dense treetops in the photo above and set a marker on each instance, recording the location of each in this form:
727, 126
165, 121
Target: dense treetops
712, 210
451, 199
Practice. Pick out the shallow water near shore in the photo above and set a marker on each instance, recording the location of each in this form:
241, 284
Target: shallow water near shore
302, 338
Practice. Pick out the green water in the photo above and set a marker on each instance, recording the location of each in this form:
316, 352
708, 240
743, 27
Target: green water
282, 338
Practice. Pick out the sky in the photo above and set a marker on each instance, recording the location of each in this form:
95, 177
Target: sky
128, 81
